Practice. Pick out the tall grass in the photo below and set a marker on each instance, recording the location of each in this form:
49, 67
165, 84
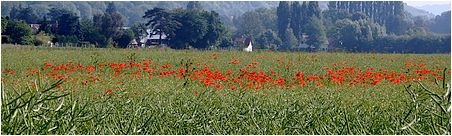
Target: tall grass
169, 106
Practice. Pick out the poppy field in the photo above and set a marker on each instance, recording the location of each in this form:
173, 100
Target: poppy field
158, 91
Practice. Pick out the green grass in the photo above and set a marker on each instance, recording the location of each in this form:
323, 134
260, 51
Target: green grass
167, 105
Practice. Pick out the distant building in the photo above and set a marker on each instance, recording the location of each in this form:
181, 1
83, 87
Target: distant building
35, 28
133, 43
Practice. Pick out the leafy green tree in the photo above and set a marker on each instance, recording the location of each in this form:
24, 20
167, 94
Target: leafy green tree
268, 40
262, 19
290, 40
247, 27
195, 26
19, 32
68, 24
56, 13
41, 39
125, 38
215, 30
347, 34
46, 25
316, 32
226, 42
139, 29
283, 14
162, 21
314, 9
111, 22
296, 19
27, 14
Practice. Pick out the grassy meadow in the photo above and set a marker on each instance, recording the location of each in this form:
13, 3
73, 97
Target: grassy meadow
157, 91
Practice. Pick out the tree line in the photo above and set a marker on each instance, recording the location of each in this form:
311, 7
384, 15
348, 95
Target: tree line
371, 26
349, 26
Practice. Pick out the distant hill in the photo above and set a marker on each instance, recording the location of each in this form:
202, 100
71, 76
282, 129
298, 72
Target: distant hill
134, 10
418, 12
435, 9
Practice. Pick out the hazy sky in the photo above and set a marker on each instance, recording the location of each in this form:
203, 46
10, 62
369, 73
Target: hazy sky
421, 3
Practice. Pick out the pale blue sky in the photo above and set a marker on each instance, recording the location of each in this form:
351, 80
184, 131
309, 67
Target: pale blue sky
421, 3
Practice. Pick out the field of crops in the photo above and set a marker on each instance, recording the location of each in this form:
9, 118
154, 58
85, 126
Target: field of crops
156, 91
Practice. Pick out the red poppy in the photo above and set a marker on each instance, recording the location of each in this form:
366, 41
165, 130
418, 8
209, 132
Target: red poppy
195, 93
218, 86
84, 83
59, 86
232, 88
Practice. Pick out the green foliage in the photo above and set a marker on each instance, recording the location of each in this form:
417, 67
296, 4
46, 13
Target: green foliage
412, 44
226, 42
254, 22
162, 22
268, 40
296, 20
41, 39
27, 14
441, 23
283, 19
65, 39
111, 22
4, 24
314, 9
215, 31
68, 24
193, 28
316, 32
19, 32
125, 38
290, 40
110, 43
46, 26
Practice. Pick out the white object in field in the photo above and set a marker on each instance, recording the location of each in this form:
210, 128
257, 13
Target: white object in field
249, 48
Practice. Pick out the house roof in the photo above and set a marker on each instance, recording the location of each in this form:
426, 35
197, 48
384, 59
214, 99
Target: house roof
134, 41
35, 26
156, 37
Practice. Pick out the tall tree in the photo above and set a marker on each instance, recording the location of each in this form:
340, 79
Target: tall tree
316, 32
68, 24
295, 21
161, 21
46, 26
27, 14
283, 14
215, 30
194, 28
111, 22
249, 28
314, 9
268, 40
290, 40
